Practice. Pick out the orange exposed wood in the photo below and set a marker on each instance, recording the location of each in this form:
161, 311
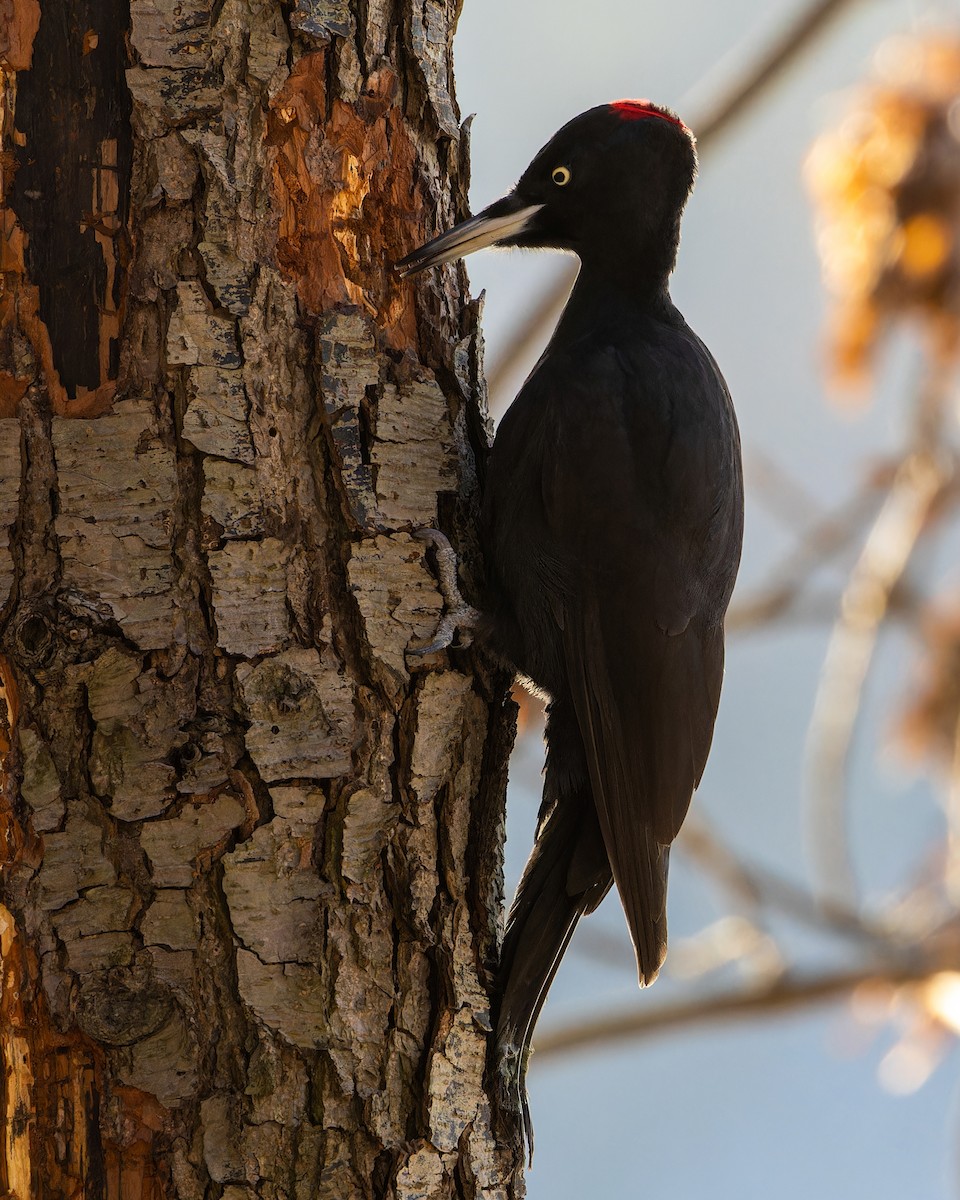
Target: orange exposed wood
349, 199
131, 1164
16, 1096
19, 22
11, 833
10, 698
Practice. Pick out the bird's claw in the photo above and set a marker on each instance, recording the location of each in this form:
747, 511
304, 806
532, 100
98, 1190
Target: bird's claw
459, 617
451, 623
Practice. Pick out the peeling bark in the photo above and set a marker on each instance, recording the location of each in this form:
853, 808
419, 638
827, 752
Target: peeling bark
250, 849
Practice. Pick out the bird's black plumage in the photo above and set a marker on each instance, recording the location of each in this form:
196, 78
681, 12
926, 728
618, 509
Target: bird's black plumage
611, 526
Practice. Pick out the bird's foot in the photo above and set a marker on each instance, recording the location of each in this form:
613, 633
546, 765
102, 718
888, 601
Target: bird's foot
459, 618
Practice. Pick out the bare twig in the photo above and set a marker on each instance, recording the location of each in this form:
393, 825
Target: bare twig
784, 496
917, 485
784, 995
543, 315
756, 891
759, 889
799, 609
828, 536
798, 36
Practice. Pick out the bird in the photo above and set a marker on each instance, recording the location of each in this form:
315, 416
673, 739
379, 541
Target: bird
611, 529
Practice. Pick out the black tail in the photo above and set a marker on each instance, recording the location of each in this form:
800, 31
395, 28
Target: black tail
567, 875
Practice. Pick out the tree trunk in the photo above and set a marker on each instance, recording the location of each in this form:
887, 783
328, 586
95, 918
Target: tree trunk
252, 851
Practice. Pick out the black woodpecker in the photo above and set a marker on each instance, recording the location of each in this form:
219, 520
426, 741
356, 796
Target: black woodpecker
612, 522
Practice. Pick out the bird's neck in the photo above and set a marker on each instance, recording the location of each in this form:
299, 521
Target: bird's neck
631, 269
605, 289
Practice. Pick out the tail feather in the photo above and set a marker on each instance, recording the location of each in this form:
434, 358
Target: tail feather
642, 885
567, 875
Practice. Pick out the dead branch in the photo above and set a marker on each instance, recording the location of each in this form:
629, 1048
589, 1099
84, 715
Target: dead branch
917, 486
786, 994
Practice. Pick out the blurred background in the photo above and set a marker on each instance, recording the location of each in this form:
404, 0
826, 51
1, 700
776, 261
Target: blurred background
801, 1040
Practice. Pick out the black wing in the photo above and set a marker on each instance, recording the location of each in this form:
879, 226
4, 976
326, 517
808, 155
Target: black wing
642, 488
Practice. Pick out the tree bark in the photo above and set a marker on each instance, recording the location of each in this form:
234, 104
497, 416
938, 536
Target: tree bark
252, 850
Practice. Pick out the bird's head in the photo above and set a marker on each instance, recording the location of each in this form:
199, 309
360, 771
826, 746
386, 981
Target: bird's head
610, 185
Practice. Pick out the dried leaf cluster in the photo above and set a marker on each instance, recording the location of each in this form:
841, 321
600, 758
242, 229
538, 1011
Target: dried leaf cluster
887, 185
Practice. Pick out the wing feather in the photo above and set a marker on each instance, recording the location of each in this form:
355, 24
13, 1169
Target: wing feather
640, 617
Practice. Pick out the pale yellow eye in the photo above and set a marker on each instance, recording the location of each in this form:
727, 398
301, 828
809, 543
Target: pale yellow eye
561, 176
